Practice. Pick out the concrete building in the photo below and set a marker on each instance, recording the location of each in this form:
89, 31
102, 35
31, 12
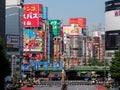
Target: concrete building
13, 32
112, 27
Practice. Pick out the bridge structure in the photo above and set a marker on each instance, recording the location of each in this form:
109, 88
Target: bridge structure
80, 68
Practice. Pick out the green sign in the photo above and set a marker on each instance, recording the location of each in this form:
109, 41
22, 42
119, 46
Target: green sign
55, 27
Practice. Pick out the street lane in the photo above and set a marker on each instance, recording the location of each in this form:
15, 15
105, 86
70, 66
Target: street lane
69, 87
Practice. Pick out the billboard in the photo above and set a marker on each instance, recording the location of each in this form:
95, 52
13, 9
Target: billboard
80, 21
73, 29
56, 24
32, 40
32, 16
12, 41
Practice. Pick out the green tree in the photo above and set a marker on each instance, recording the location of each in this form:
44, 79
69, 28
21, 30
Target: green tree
4, 64
115, 66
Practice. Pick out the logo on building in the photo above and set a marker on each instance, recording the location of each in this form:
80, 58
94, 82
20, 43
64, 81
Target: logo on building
117, 12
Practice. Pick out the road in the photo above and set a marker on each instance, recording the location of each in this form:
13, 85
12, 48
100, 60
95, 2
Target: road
70, 87
74, 85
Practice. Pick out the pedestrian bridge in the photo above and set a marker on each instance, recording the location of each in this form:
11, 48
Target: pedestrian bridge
82, 68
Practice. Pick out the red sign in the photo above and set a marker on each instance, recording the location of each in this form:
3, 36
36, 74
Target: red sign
32, 16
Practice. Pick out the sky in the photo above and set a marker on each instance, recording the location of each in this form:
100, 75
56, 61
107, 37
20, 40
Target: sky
92, 10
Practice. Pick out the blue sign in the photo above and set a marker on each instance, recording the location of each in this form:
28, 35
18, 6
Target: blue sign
45, 13
61, 65
45, 65
31, 63
55, 66
25, 67
35, 66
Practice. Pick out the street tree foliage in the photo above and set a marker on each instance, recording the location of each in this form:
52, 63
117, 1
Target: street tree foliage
115, 66
4, 63
97, 62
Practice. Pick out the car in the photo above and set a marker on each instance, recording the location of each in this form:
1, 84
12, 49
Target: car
29, 85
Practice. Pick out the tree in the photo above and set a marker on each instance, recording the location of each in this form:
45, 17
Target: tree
115, 66
4, 64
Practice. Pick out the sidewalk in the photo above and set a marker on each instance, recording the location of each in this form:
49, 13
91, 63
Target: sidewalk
99, 87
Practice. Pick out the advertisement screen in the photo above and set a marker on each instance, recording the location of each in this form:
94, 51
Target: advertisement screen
32, 40
32, 16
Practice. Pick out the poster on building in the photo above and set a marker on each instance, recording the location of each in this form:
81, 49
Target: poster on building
32, 57
12, 41
32, 40
32, 16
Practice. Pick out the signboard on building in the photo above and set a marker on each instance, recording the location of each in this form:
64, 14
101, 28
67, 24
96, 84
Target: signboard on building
12, 41
32, 40
32, 16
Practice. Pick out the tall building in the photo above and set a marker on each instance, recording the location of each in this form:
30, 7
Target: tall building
112, 27
2, 18
13, 32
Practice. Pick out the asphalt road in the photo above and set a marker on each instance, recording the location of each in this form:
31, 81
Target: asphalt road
69, 87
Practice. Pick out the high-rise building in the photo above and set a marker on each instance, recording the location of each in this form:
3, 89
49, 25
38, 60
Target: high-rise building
2, 19
13, 33
112, 27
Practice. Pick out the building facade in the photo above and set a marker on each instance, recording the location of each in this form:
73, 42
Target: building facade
112, 27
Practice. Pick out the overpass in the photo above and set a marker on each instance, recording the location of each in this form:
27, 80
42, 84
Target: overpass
80, 68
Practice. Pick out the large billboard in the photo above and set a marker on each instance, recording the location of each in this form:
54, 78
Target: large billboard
32, 40
80, 21
32, 16
73, 29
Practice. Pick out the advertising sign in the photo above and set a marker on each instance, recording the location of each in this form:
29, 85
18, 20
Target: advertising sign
32, 40
55, 27
45, 65
72, 30
32, 57
45, 13
55, 66
25, 67
80, 21
45, 45
32, 16
12, 41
